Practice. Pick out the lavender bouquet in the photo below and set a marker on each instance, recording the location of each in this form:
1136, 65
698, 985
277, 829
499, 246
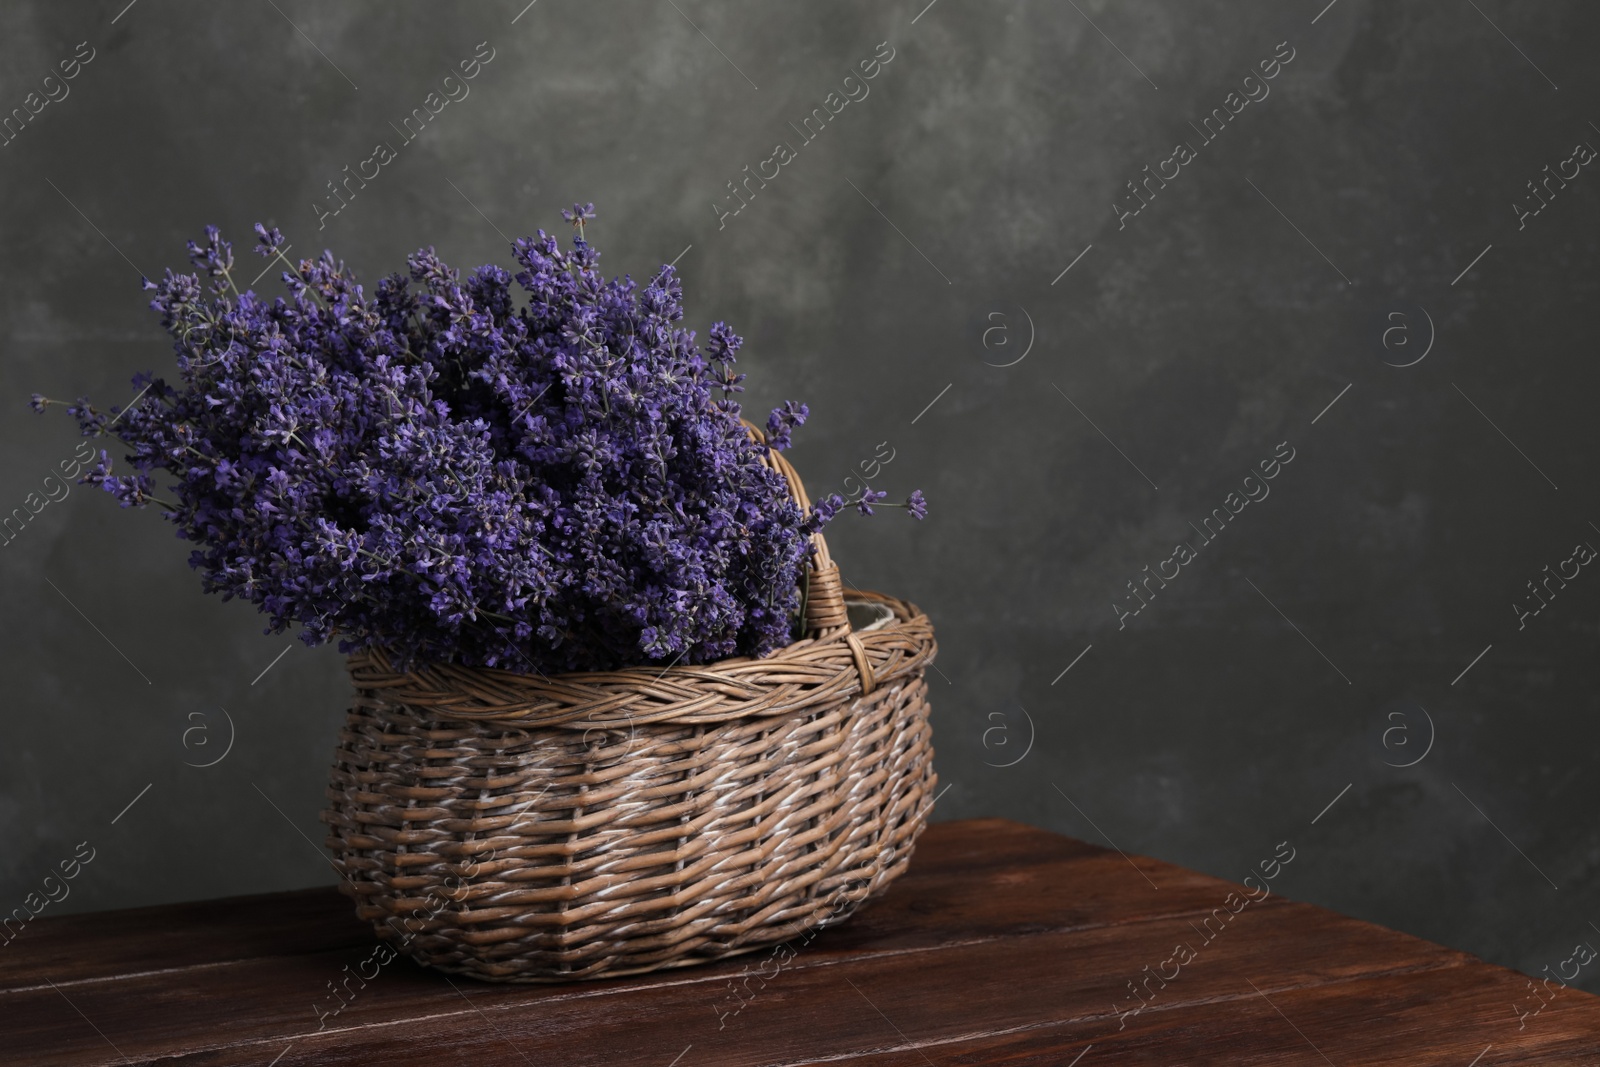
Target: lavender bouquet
458, 477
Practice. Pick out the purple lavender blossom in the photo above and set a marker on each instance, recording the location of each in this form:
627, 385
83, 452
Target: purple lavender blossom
455, 475
823, 511
916, 505
782, 421
267, 240
578, 215
869, 497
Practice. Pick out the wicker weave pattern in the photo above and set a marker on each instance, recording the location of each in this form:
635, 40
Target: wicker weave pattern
807, 674
569, 852
521, 828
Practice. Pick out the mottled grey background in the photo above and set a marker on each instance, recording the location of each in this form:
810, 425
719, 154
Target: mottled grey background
1196, 339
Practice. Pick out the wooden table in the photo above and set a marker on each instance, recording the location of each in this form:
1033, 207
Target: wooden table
1002, 944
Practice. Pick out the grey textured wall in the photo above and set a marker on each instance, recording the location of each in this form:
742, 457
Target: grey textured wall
893, 275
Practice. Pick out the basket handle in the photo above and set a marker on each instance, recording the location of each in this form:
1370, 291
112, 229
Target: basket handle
824, 611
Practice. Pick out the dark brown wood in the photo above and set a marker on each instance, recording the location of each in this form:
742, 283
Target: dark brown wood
1002, 944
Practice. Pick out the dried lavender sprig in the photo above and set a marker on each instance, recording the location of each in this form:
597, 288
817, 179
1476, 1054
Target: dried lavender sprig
457, 476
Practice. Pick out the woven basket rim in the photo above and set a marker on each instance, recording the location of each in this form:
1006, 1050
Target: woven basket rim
804, 674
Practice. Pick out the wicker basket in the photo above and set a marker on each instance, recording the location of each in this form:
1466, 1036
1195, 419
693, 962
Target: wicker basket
518, 828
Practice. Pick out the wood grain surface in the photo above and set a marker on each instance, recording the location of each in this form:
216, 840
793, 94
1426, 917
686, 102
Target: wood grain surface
1002, 944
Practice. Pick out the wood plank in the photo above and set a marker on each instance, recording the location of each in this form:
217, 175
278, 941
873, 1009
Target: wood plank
1001, 944
203, 933
959, 905
961, 874
1444, 1018
105, 944
810, 1010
